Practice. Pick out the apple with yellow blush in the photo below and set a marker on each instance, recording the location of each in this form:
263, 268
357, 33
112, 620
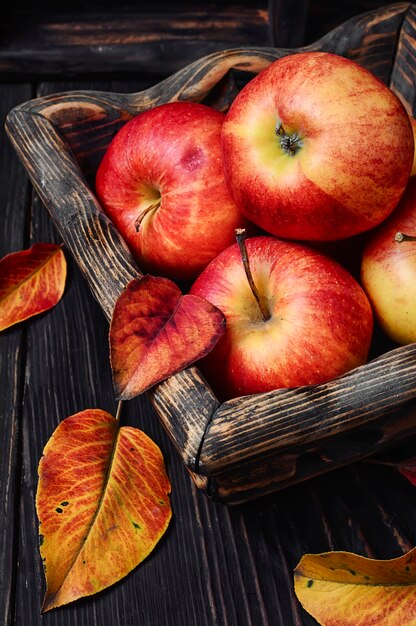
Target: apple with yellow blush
294, 317
317, 148
388, 270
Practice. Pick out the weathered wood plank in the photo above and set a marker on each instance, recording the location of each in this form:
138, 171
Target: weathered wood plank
52, 41
14, 202
324, 15
277, 420
156, 41
288, 23
280, 470
403, 77
182, 395
369, 39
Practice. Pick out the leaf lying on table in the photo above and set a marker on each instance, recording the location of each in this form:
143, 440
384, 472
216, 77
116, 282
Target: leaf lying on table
102, 503
406, 467
349, 590
408, 470
31, 282
156, 332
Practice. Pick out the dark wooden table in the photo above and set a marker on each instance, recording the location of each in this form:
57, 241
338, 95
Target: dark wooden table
215, 565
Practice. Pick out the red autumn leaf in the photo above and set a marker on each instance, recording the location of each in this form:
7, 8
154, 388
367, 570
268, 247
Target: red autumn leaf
344, 589
408, 470
102, 503
31, 282
406, 467
156, 332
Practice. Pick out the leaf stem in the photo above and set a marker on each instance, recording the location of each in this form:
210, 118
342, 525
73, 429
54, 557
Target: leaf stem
240, 235
119, 409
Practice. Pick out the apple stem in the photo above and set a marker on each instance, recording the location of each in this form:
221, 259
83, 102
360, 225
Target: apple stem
291, 144
399, 237
119, 408
240, 235
143, 214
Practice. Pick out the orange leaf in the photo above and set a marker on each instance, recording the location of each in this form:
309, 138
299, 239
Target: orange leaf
102, 503
156, 332
31, 282
344, 589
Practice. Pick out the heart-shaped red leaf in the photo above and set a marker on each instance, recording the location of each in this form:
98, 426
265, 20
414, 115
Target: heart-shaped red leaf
156, 332
31, 282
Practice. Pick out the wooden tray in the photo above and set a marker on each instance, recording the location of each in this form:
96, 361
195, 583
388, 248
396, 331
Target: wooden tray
252, 445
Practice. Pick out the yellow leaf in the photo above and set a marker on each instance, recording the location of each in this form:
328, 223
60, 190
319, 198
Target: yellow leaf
344, 589
102, 503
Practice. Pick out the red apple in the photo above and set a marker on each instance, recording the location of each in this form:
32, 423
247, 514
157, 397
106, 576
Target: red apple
161, 182
318, 319
317, 148
388, 270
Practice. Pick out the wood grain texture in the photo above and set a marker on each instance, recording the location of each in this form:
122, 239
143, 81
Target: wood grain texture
402, 80
288, 23
286, 418
181, 395
369, 39
52, 40
156, 41
14, 202
241, 482
60, 139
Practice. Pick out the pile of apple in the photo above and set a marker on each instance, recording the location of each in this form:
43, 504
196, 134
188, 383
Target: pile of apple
313, 149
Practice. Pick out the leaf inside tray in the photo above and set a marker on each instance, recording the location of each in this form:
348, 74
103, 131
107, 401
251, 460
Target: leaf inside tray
156, 332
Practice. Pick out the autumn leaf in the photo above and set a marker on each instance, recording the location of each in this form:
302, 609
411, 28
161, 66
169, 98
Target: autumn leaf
156, 332
102, 503
406, 467
408, 470
344, 589
31, 282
